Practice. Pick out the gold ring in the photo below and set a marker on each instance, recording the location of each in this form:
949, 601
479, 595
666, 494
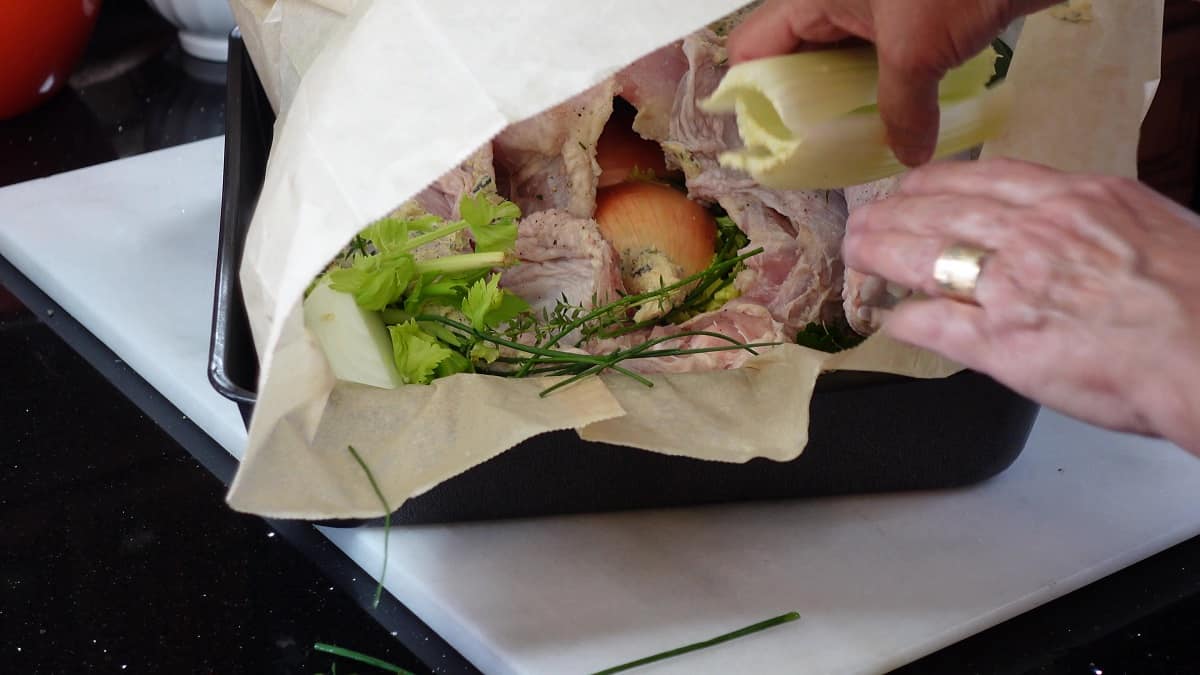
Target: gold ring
957, 271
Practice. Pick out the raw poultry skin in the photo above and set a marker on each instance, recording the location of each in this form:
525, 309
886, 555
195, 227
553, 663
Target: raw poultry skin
549, 161
562, 256
799, 275
743, 321
475, 173
649, 85
547, 166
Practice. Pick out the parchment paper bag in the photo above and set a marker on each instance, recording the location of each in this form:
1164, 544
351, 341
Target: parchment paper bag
380, 97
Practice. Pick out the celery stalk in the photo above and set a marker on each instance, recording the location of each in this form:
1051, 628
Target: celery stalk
805, 88
852, 149
811, 120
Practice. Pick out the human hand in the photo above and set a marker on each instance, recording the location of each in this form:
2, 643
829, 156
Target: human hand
1088, 303
917, 41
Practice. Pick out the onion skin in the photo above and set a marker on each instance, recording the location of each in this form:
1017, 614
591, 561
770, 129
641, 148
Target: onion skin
640, 216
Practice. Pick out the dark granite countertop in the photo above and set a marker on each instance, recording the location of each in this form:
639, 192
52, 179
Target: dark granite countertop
121, 555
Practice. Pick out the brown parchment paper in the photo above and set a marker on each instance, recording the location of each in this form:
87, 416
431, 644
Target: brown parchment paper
380, 97
1084, 88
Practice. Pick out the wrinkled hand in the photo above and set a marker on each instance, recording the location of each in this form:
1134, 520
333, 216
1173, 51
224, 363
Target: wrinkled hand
917, 41
1089, 304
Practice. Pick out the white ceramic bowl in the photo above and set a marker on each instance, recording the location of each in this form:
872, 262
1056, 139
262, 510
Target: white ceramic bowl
204, 25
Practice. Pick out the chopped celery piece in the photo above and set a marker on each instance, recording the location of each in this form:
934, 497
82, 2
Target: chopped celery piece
355, 340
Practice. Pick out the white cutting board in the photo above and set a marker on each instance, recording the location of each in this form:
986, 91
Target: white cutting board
128, 248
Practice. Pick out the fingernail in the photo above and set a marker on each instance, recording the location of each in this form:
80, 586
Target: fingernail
913, 155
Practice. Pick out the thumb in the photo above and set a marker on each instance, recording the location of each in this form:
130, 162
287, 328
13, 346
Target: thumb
908, 104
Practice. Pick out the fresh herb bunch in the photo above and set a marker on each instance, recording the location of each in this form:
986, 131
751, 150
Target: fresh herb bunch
545, 358
388, 271
535, 360
707, 291
612, 319
386, 265
447, 314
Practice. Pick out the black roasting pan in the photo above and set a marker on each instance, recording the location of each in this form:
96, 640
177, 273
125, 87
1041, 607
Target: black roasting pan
869, 433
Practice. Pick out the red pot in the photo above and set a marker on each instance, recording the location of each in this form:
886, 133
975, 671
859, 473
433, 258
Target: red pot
40, 41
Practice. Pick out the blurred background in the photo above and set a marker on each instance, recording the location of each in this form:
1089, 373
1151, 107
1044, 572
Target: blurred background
134, 90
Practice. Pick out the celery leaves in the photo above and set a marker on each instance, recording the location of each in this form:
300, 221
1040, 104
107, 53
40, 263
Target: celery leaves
402, 268
418, 354
494, 226
488, 306
375, 281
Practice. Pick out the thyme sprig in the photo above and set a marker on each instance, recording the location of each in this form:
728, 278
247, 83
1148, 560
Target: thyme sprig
611, 319
546, 360
448, 314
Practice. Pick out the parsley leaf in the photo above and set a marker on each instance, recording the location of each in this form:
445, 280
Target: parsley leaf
510, 307
494, 226
388, 235
730, 238
487, 305
375, 281
417, 353
455, 364
391, 274
485, 353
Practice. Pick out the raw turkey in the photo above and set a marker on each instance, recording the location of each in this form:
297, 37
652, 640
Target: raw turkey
562, 256
743, 321
798, 277
549, 161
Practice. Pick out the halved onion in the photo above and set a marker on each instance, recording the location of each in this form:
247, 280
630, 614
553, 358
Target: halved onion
660, 235
640, 216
